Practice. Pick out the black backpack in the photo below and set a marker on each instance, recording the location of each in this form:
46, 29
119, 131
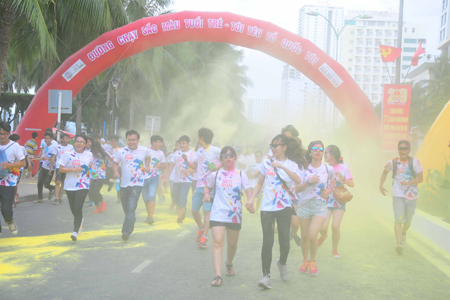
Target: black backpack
410, 164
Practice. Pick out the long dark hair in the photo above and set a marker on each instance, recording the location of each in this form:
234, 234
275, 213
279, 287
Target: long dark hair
226, 149
308, 154
98, 152
294, 150
336, 153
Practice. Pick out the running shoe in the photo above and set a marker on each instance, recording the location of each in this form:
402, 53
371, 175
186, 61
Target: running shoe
97, 210
13, 228
313, 269
74, 236
179, 220
125, 236
50, 194
102, 206
203, 243
335, 254
199, 235
56, 202
320, 240
399, 248
265, 282
305, 267
283, 271
149, 221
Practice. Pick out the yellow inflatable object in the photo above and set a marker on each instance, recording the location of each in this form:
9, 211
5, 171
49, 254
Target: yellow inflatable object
435, 151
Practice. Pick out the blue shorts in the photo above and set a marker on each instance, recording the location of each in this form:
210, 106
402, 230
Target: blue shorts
311, 208
180, 193
197, 200
150, 188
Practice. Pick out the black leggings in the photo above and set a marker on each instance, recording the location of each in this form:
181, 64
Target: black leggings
44, 178
283, 218
76, 202
94, 191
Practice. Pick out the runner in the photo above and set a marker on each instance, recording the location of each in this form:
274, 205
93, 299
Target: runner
60, 177
335, 209
15, 138
279, 175
253, 175
11, 160
134, 160
407, 172
45, 174
151, 179
87, 148
112, 152
172, 176
226, 213
207, 161
98, 176
181, 162
31, 146
288, 131
160, 190
318, 183
76, 165
44, 145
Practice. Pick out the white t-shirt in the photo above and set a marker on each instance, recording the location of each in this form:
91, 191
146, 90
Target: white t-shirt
43, 143
410, 192
111, 151
156, 156
49, 152
180, 164
204, 158
98, 170
227, 205
345, 171
172, 175
314, 191
61, 150
77, 181
133, 165
275, 196
252, 169
14, 153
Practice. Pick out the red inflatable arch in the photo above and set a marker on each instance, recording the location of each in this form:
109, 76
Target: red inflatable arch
192, 26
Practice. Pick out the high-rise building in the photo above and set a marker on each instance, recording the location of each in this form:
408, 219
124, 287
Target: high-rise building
257, 109
361, 53
444, 29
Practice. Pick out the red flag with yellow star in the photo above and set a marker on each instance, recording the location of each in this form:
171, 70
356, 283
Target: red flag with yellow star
389, 53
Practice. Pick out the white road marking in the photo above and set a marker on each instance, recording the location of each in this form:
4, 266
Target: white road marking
142, 266
183, 233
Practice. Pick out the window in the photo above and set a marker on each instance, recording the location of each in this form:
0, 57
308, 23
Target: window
369, 51
406, 29
406, 49
444, 4
352, 32
423, 41
410, 41
349, 69
413, 30
350, 59
405, 67
380, 23
442, 35
372, 23
350, 51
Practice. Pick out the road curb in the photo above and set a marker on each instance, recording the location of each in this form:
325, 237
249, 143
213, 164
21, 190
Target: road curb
436, 230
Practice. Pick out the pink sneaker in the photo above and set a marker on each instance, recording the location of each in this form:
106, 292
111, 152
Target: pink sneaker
305, 267
97, 210
335, 254
313, 269
102, 206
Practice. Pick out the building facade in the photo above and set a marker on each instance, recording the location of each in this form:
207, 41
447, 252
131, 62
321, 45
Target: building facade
444, 29
257, 109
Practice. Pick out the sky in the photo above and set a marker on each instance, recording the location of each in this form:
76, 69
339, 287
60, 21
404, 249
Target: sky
265, 71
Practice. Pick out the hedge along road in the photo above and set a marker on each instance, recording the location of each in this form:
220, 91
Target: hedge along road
163, 262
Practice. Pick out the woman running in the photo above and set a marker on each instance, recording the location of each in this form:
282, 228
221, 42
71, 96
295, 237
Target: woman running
335, 209
318, 183
226, 211
76, 164
279, 174
98, 176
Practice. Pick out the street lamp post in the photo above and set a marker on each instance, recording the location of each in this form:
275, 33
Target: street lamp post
115, 83
337, 35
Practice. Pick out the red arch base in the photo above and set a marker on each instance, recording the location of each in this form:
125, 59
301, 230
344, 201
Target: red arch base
186, 26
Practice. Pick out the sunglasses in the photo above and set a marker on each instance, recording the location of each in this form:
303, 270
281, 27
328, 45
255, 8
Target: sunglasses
317, 148
275, 145
403, 148
227, 155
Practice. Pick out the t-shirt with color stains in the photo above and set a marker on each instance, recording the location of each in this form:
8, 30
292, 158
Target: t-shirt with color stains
61, 150
345, 171
276, 197
206, 158
227, 205
14, 153
156, 156
180, 164
132, 163
77, 180
326, 176
49, 152
98, 168
410, 192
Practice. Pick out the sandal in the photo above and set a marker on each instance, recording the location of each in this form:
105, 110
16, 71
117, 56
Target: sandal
229, 271
216, 282
38, 201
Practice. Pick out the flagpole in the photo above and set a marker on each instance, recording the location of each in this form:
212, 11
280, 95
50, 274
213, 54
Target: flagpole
389, 73
407, 73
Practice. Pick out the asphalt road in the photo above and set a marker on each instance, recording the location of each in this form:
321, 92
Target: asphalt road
162, 261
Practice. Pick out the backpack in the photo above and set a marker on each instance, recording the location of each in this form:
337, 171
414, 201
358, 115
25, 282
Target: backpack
410, 164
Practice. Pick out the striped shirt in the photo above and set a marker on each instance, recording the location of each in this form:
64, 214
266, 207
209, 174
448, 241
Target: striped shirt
31, 146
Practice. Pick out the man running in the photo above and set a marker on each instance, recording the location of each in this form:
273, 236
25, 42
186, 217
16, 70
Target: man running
131, 159
407, 172
60, 177
11, 160
45, 174
31, 147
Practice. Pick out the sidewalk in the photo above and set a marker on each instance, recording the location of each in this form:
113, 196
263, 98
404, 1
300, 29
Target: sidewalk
28, 190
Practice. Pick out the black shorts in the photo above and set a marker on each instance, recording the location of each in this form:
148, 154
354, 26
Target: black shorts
232, 226
60, 176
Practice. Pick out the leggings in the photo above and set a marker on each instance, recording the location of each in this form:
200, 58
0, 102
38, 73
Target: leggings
44, 178
283, 218
76, 201
94, 191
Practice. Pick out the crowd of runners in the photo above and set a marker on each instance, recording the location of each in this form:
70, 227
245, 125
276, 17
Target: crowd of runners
293, 188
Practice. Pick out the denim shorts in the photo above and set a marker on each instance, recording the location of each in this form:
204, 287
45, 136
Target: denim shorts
180, 193
404, 209
150, 188
311, 208
197, 200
